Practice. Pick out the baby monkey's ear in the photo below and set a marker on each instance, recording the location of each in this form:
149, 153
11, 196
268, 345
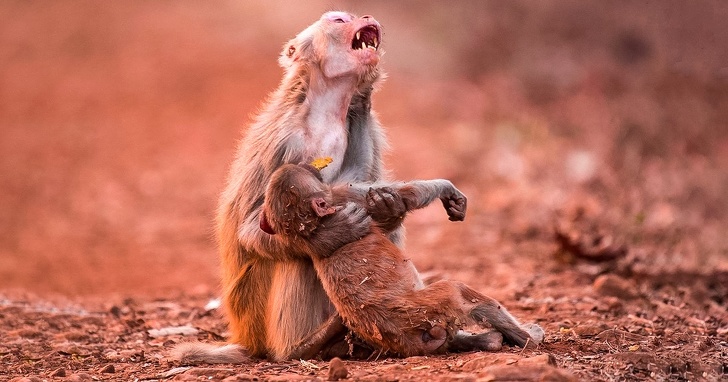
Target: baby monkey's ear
264, 225
321, 207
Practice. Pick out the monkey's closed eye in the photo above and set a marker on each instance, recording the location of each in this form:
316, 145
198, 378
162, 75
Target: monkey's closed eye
339, 20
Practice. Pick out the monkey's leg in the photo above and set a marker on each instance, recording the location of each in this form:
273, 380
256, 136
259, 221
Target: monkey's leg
444, 298
483, 308
297, 306
446, 293
491, 340
311, 345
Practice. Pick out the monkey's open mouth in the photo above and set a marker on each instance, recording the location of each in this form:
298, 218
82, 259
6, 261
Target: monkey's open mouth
366, 37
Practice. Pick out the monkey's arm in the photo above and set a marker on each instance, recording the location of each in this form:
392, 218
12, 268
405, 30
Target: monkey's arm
345, 226
388, 203
420, 193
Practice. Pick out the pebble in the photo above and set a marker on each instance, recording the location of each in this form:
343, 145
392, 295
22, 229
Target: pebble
615, 286
337, 369
526, 373
80, 377
109, 368
589, 329
60, 372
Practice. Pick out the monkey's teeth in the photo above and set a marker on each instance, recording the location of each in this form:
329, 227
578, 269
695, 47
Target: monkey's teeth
358, 35
363, 45
376, 42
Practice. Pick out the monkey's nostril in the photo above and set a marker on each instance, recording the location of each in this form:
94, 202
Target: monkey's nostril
366, 17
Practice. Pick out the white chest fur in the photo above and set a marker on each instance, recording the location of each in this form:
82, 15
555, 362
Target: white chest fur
327, 138
326, 133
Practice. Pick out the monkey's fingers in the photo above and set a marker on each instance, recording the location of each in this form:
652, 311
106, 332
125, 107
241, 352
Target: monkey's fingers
456, 209
371, 197
392, 199
384, 203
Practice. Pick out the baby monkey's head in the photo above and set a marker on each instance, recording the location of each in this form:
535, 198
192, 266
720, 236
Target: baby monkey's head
295, 201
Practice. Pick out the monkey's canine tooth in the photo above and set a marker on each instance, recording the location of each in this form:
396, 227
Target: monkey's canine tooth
363, 45
358, 35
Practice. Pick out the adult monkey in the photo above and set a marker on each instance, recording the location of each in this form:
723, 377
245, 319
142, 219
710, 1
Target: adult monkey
322, 108
275, 303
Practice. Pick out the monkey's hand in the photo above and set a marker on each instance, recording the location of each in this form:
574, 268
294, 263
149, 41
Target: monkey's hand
386, 207
347, 225
455, 204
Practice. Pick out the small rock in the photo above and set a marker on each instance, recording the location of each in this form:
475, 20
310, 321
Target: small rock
483, 362
173, 372
80, 377
173, 330
458, 377
60, 372
26, 379
337, 369
185, 377
211, 372
213, 304
76, 336
615, 286
396, 368
290, 377
241, 378
541, 359
29, 333
108, 369
640, 360
115, 311
589, 329
68, 349
611, 304
620, 335
526, 373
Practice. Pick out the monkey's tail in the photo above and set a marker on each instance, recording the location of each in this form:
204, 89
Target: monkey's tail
195, 353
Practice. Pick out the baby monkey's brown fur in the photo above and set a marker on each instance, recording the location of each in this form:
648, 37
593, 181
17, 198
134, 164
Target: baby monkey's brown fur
374, 288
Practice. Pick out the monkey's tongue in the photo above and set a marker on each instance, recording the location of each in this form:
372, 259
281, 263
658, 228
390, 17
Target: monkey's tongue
264, 225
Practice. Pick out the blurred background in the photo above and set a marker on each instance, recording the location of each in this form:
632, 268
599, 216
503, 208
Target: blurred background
118, 121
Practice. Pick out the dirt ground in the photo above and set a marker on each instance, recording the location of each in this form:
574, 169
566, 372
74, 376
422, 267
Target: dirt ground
591, 140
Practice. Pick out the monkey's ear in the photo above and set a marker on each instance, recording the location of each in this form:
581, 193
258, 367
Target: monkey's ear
321, 207
288, 56
298, 48
264, 225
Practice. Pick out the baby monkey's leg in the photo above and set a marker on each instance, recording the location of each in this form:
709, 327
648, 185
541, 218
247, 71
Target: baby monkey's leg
482, 308
446, 296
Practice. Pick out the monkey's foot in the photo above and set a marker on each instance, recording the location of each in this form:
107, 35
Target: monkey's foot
486, 341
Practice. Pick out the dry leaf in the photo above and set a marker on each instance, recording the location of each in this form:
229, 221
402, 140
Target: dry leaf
321, 163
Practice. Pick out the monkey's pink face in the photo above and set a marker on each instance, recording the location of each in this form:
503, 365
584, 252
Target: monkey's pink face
339, 43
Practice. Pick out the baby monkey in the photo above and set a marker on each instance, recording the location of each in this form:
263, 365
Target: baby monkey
375, 289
